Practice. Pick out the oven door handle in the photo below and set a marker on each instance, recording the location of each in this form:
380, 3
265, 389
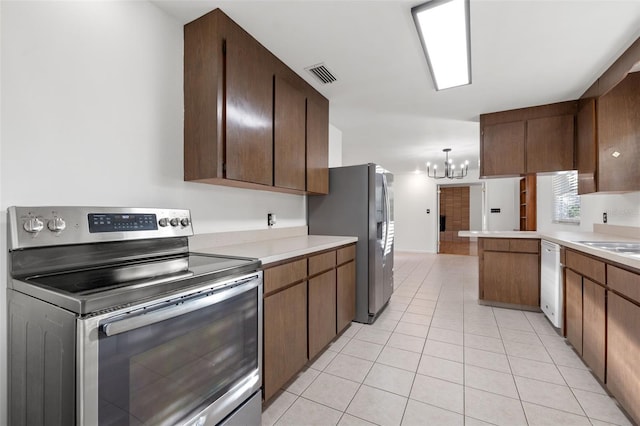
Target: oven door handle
176, 308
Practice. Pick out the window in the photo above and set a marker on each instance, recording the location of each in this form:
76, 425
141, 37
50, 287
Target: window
566, 201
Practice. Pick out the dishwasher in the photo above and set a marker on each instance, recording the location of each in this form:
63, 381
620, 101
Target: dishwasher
551, 283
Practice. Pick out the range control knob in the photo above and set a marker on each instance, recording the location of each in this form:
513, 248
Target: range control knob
163, 222
175, 221
185, 221
33, 225
56, 224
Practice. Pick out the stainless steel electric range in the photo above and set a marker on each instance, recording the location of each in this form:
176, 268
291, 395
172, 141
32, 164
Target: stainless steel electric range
112, 321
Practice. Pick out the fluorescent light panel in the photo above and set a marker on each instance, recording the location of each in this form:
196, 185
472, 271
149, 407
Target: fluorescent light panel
443, 26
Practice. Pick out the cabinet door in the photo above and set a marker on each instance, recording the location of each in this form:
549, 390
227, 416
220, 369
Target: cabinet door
203, 109
248, 96
573, 300
593, 326
586, 148
550, 144
317, 147
322, 311
503, 149
623, 356
346, 295
511, 278
289, 136
285, 336
618, 135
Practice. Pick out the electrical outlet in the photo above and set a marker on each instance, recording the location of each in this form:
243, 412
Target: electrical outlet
271, 219
604, 217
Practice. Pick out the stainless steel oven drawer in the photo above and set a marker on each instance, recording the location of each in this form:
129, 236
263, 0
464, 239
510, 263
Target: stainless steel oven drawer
248, 414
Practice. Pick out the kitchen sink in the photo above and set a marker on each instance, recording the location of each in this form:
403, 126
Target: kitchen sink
625, 248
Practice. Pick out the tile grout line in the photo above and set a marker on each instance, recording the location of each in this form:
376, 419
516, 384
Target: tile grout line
562, 375
513, 376
374, 362
449, 298
404, 412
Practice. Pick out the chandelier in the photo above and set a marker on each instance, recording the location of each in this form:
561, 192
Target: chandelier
449, 168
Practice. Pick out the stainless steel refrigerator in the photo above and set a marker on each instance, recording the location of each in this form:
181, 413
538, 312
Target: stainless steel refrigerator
360, 203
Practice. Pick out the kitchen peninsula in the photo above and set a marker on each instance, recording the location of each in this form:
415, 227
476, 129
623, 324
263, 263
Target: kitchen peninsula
601, 288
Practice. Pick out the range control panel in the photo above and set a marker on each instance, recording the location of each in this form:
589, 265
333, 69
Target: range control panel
110, 222
46, 226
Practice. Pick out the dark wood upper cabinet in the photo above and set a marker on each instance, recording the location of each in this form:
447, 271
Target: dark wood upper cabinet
502, 147
246, 120
248, 97
586, 145
527, 140
550, 143
317, 146
619, 136
289, 136
608, 128
203, 108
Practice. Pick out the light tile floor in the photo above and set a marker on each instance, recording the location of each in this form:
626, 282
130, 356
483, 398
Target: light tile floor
436, 357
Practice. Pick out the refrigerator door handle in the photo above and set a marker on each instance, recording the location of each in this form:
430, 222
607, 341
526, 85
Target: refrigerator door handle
387, 213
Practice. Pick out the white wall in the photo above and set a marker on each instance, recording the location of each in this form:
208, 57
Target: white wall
415, 230
502, 194
335, 146
475, 208
621, 209
92, 114
414, 193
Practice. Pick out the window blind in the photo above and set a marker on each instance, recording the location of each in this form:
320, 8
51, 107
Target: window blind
566, 201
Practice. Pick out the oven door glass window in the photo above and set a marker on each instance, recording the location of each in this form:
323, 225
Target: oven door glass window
163, 372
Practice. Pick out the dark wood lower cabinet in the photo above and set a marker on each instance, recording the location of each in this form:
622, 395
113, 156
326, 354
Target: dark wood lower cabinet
346, 295
509, 271
602, 323
285, 336
322, 311
623, 353
593, 326
307, 302
573, 300
512, 278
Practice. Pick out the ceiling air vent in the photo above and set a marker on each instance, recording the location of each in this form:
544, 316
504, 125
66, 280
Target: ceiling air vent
322, 73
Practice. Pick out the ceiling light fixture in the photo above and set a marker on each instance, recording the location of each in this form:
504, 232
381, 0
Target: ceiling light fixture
443, 27
449, 168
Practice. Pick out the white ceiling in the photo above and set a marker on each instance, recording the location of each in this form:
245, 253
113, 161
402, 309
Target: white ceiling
524, 53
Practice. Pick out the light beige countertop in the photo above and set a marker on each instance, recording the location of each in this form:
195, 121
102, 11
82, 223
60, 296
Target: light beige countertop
499, 234
270, 251
570, 239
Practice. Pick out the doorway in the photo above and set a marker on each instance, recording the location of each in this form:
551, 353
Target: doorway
455, 214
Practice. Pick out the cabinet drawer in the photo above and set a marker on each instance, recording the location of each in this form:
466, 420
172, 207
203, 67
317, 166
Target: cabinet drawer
346, 254
283, 275
624, 282
586, 266
322, 262
515, 245
495, 244
524, 246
